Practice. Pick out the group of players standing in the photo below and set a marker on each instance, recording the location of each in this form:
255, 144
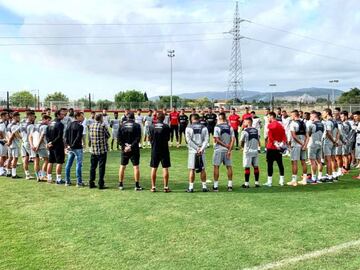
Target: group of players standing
333, 138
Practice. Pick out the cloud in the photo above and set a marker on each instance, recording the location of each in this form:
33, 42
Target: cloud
198, 65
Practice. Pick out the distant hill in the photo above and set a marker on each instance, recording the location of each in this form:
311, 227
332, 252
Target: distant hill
305, 93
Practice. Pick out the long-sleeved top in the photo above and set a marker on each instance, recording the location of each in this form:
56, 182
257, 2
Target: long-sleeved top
99, 136
55, 134
197, 136
74, 134
276, 133
129, 133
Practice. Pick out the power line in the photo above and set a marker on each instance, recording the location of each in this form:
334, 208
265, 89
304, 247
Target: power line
108, 43
299, 50
110, 36
303, 36
108, 24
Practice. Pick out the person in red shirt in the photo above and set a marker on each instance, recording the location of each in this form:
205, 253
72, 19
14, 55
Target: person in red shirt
246, 115
174, 126
154, 117
275, 146
234, 121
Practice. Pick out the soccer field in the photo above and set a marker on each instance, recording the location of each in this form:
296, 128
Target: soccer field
47, 226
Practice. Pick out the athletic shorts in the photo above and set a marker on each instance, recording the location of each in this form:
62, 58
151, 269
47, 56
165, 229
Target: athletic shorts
3, 150
211, 129
315, 152
329, 150
162, 157
339, 150
114, 134
41, 153
191, 160
250, 160
357, 151
346, 149
14, 152
182, 129
57, 155
25, 150
296, 153
219, 157
134, 156
146, 130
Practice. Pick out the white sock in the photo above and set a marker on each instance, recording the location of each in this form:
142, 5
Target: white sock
269, 180
1, 169
313, 177
49, 177
256, 182
216, 184
304, 177
294, 178
58, 177
191, 185
27, 173
282, 179
13, 171
247, 184
319, 175
203, 184
339, 172
230, 183
334, 174
8, 171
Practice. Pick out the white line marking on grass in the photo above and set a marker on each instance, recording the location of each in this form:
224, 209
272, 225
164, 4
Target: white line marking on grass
306, 256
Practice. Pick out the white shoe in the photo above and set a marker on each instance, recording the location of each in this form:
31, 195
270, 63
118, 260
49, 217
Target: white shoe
292, 183
29, 177
267, 184
281, 183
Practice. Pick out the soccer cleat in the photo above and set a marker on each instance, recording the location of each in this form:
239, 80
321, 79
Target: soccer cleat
215, 189
292, 183
205, 190
67, 184
103, 187
29, 177
80, 185
153, 189
189, 190
60, 182
303, 182
16, 177
257, 185
281, 183
92, 186
8, 175
138, 188
121, 186
267, 184
245, 186
167, 190
229, 189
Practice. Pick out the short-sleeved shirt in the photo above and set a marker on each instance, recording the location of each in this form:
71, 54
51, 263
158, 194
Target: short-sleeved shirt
225, 133
202, 120
183, 120
148, 120
174, 118
3, 130
257, 123
139, 119
296, 127
346, 128
250, 136
211, 119
197, 136
234, 120
329, 126
115, 124
89, 122
25, 128
316, 133
12, 129
39, 130
160, 136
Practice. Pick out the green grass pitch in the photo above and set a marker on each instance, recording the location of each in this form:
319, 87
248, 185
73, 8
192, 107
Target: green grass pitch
55, 227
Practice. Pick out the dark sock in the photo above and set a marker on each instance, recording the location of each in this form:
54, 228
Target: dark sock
247, 175
137, 184
256, 173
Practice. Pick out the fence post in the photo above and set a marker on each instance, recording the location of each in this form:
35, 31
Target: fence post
7, 100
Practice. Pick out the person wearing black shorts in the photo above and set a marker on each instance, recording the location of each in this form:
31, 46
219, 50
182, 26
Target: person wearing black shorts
129, 136
183, 122
54, 137
211, 119
159, 138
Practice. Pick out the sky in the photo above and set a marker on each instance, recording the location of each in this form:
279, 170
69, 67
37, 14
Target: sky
148, 28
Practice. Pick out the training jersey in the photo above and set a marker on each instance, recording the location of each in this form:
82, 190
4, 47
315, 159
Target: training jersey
124, 118
36, 132
115, 124
174, 118
154, 118
234, 120
299, 127
225, 133
148, 120
250, 136
316, 132
330, 126
129, 134
139, 119
202, 120
14, 128
352, 135
166, 119
266, 123
106, 120
55, 133
276, 134
2, 130
346, 129
197, 136
159, 135
256, 123
66, 122
211, 119
90, 121
183, 120
25, 129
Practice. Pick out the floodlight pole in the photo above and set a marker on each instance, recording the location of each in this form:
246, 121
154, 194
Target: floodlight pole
171, 54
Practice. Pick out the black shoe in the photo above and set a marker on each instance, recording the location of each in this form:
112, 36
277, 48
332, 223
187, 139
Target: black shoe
16, 177
257, 185
103, 187
215, 189
92, 186
189, 190
8, 175
245, 186
138, 188
229, 189
205, 190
